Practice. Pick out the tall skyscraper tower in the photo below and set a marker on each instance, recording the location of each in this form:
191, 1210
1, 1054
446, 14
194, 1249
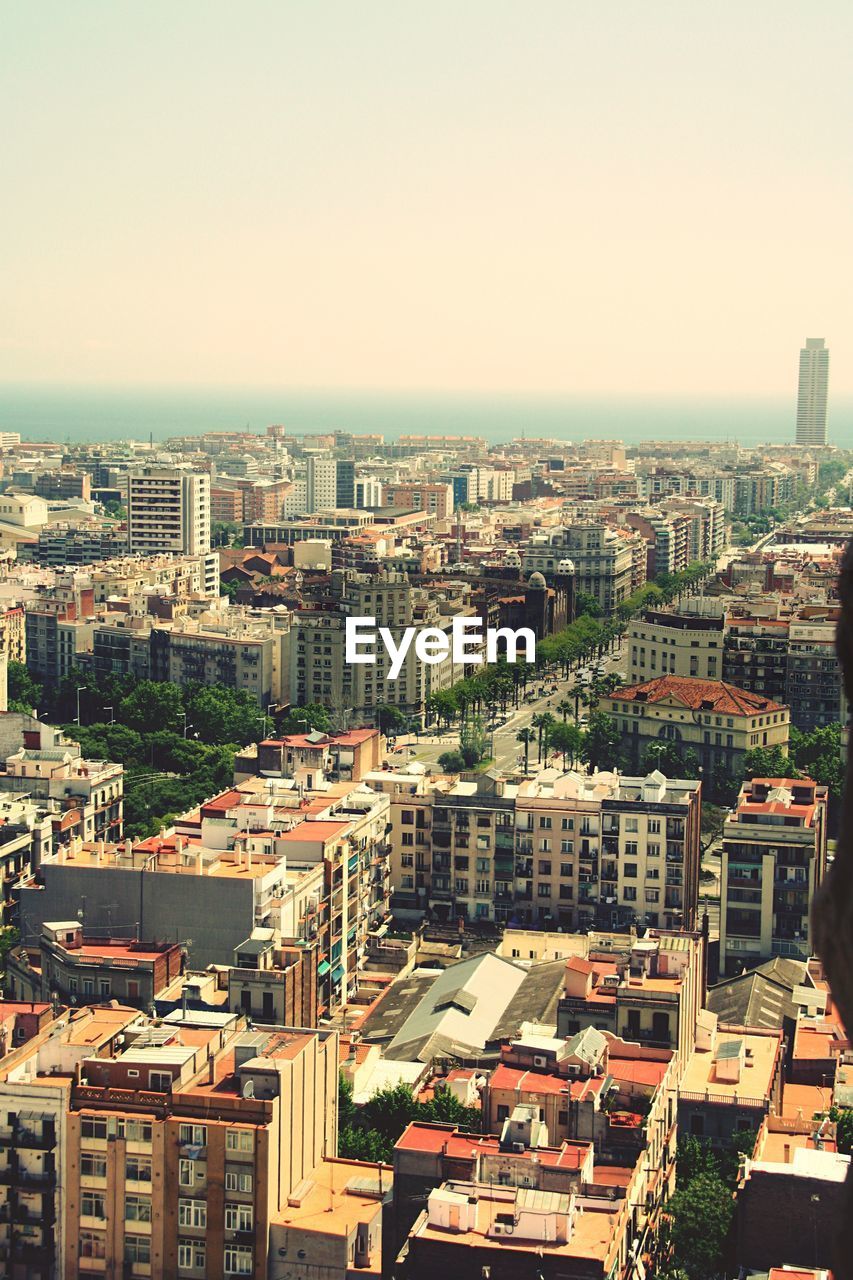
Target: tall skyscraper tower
811, 397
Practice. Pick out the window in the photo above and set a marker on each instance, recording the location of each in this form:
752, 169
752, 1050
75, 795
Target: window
134, 1130
191, 1253
567, 869
186, 1173
193, 1135
236, 1180
544, 868
93, 1166
407, 817
160, 1081
137, 1248
566, 846
104, 987
92, 1205
92, 1128
544, 846
92, 1244
654, 826
408, 838
630, 871
632, 824
631, 848
137, 1208
239, 1140
238, 1261
568, 824
138, 1168
630, 893
238, 1217
192, 1213
545, 823
544, 891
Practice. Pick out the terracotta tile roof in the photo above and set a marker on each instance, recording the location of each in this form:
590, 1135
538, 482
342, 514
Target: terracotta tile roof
710, 695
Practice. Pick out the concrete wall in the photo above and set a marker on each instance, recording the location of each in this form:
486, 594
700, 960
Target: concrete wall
217, 914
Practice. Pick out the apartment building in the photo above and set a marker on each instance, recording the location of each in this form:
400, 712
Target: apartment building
84, 797
322, 484
35, 1095
65, 544
773, 859
346, 754
651, 996
755, 655
676, 644
190, 1181
226, 504
311, 864
58, 627
720, 722
435, 498
814, 688
608, 564
239, 654
168, 510
75, 968
26, 836
13, 633
319, 671
556, 850
732, 1081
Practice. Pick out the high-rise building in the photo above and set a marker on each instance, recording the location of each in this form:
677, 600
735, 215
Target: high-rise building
168, 510
811, 396
321, 484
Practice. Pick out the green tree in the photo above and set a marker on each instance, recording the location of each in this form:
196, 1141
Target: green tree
843, 1119
672, 759
9, 938
24, 692
568, 740
391, 719
525, 737
769, 762
152, 705
451, 761
307, 718
602, 742
587, 604
699, 1219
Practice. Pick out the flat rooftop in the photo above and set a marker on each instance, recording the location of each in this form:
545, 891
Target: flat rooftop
757, 1070
338, 1196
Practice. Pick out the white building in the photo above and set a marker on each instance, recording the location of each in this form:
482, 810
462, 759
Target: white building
368, 493
321, 484
168, 510
812, 393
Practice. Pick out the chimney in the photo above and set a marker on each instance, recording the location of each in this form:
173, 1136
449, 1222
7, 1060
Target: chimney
199, 863
787, 1151
128, 847
179, 844
248, 855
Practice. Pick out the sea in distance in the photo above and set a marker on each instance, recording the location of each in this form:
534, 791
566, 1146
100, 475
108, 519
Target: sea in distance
77, 415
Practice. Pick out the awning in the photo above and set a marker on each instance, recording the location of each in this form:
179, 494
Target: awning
323, 968
338, 973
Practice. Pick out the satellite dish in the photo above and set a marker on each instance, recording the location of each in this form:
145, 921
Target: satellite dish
249, 1089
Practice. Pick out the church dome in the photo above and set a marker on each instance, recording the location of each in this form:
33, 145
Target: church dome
566, 566
536, 582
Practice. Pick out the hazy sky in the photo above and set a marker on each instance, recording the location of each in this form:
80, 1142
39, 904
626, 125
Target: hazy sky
552, 196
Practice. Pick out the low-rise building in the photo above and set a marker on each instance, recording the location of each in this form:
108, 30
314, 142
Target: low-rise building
716, 720
732, 1081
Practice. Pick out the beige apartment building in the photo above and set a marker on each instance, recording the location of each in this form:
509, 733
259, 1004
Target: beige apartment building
561, 849
773, 860
675, 644
318, 668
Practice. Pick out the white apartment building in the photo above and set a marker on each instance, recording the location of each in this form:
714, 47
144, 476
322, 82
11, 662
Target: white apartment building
168, 510
368, 493
321, 484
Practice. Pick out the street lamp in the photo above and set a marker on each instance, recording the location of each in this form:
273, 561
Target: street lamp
81, 688
112, 714
269, 716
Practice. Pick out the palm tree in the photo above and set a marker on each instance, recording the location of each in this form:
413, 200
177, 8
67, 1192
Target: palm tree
542, 722
564, 707
525, 736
